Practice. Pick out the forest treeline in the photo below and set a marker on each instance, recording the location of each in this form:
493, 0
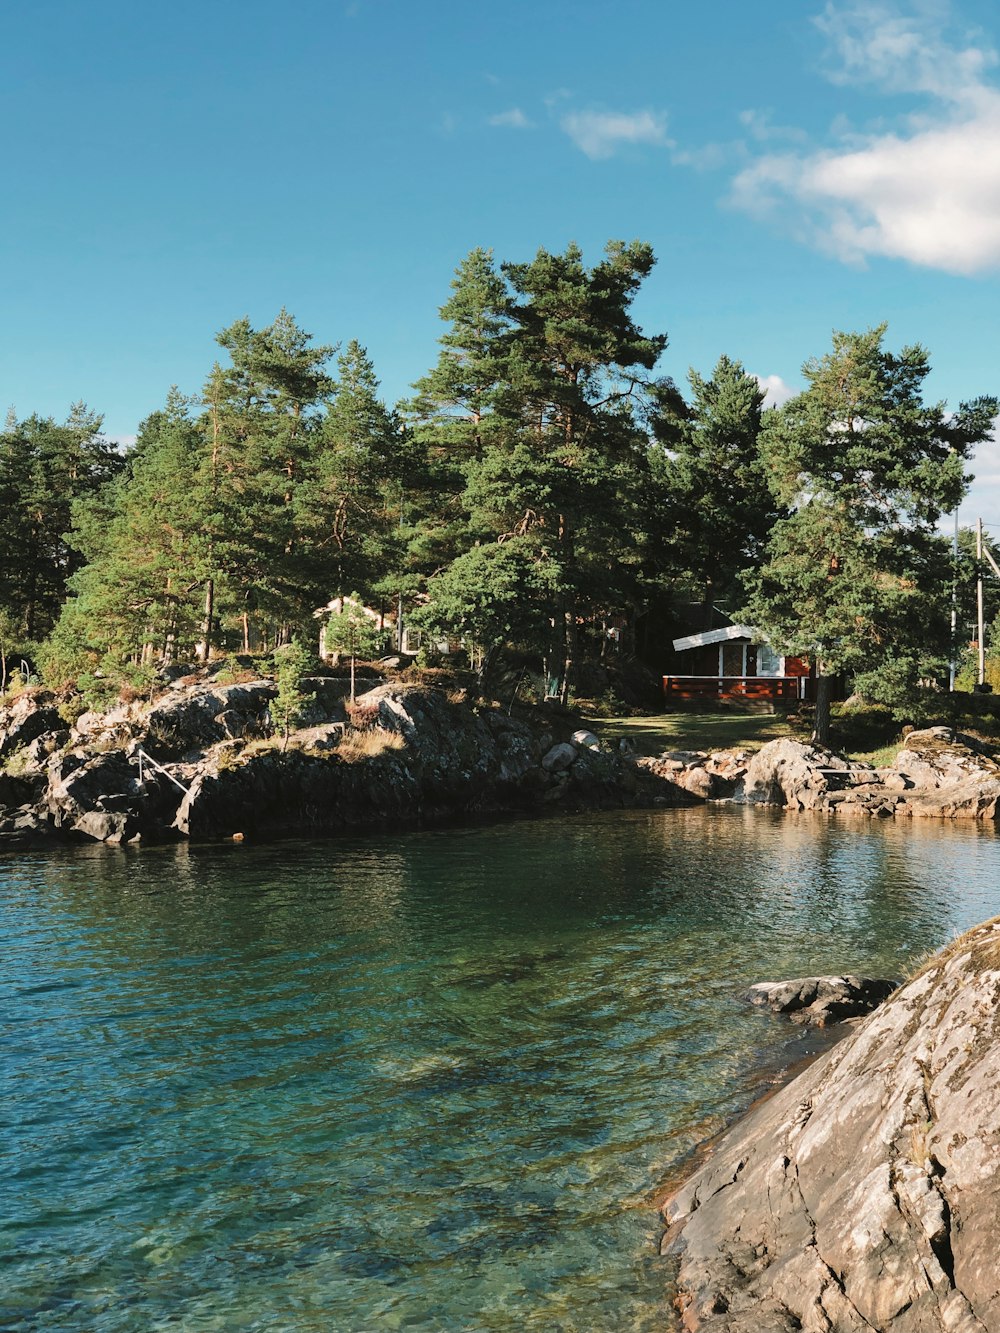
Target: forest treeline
542, 487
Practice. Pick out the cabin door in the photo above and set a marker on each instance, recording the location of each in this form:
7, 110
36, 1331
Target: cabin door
733, 659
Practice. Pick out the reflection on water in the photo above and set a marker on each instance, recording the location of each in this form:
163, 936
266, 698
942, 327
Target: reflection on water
427, 1081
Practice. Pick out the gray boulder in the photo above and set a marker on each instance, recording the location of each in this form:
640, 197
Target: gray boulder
795, 775
866, 1194
586, 739
940, 757
821, 1000
29, 715
197, 717
560, 757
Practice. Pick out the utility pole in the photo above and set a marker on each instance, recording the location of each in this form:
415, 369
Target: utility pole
980, 631
953, 664
399, 601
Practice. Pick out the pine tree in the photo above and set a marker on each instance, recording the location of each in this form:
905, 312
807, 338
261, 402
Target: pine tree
351, 632
137, 595
856, 575
453, 418
348, 506
717, 508
45, 468
292, 663
560, 473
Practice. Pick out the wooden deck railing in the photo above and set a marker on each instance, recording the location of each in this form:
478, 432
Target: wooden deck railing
783, 688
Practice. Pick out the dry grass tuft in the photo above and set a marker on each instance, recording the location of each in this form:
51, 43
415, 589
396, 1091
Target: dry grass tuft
982, 943
368, 744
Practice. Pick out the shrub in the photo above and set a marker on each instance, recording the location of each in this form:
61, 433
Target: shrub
361, 715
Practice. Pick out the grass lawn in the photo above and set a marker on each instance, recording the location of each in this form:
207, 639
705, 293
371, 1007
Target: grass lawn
656, 732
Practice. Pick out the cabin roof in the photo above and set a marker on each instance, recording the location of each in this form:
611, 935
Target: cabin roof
710, 636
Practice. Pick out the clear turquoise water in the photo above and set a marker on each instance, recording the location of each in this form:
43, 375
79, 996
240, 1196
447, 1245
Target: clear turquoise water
427, 1081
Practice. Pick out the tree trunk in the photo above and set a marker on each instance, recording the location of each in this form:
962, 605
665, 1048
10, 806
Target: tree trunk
821, 722
486, 661
569, 656
205, 647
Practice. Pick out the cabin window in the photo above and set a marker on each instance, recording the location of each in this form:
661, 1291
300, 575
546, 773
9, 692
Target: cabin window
769, 663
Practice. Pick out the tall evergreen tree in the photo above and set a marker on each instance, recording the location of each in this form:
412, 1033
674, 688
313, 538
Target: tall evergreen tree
138, 594
560, 475
453, 414
261, 418
348, 507
717, 508
856, 575
45, 468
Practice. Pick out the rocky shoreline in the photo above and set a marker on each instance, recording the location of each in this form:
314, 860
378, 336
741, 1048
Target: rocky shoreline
202, 761
859, 1197
863, 1195
937, 774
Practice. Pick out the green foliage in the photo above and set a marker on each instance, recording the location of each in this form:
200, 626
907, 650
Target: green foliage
711, 483
493, 595
16, 764
45, 468
98, 691
351, 632
546, 485
348, 502
856, 574
66, 654
9, 639
865, 728
234, 672
539, 415
292, 662
240, 512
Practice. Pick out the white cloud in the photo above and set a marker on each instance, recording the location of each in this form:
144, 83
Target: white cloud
776, 391
899, 51
759, 126
928, 190
709, 157
514, 119
600, 134
983, 499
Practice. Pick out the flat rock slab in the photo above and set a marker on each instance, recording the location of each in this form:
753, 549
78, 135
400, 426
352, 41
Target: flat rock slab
821, 1000
864, 1197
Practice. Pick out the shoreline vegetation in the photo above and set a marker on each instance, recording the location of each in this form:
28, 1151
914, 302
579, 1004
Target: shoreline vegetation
546, 505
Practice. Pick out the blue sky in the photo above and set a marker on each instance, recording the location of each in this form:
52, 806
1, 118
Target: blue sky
797, 167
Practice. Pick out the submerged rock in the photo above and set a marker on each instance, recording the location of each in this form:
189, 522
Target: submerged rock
866, 1194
